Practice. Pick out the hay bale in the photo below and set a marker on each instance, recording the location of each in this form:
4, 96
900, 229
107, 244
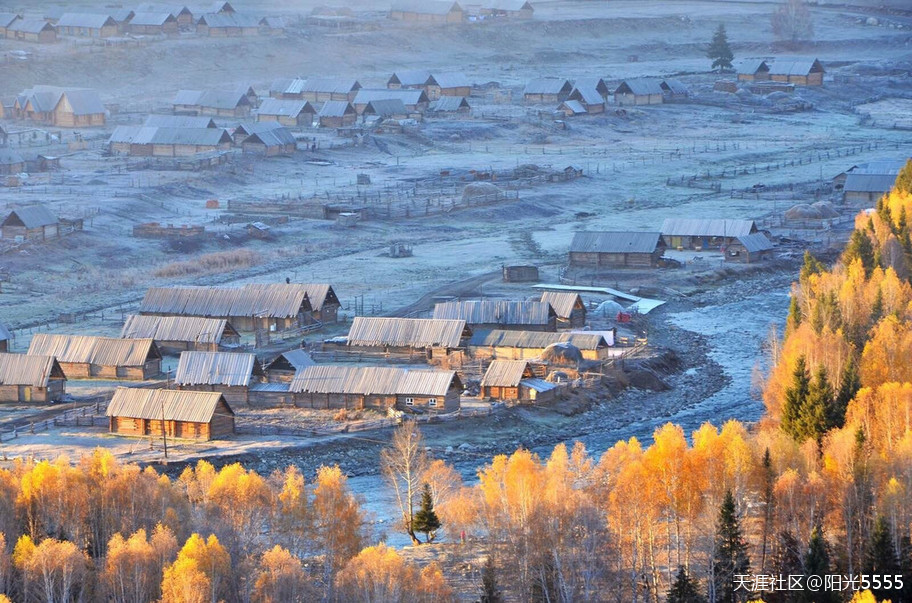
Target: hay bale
481, 190
562, 353
608, 309
802, 211
825, 209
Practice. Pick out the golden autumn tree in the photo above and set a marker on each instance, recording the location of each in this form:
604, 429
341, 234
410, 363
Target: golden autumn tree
281, 578
337, 521
201, 572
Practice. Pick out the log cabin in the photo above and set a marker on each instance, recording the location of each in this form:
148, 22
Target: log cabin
230, 373
523, 345
175, 334
427, 11
616, 249
639, 92
489, 314
88, 357
32, 223
179, 414
569, 307
291, 113
25, 378
515, 381
701, 234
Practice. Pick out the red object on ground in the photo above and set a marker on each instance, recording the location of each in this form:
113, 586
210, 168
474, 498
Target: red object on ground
623, 317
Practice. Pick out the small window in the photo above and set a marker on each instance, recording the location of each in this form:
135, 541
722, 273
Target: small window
409, 401
432, 401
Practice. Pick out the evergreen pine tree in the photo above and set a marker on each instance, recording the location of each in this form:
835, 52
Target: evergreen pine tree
812, 417
904, 179
817, 563
905, 568
877, 307
426, 520
719, 50
730, 559
768, 499
794, 315
795, 396
490, 591
786, 562
849, 384
683, 589
860, 247
811, 266
880, 556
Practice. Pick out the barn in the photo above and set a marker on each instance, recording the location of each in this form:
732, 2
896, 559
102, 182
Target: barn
181, 333
154, 23
515, 381
321, 89
32, 223
432, 338
87, 25
230, 373
6, 337
427, 11
570, 309
11, 162
638, 92
221, 103
377, 387
27, 378
337, 114
144, 141
589, 98
270, 142
749, 248
490, 314
522, 345
415, 100
182, 13
286, 365
616, 249
702, 234
87, 357
804, 72
32, 30
291, 113
547, 91
172, 413
752, 70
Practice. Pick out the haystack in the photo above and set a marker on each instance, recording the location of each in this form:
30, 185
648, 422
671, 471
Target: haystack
479, 190
562, 353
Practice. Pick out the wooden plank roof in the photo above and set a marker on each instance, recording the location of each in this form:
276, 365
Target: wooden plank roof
87, 20
614, 242
503, 338
547, 86
496, 312
336, 109
755, 242
103, 351
281, 302
373, 380
179, 121
26, 369
285, 108
563, 302
505, 373
639, 87
715, 227
297, 359
193, 329
408, 96
174, 405
217, 368
33, 216
414, 332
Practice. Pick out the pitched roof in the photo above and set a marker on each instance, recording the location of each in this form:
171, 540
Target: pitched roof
795, 67
408, 96
414, 332
386, 107
869, 183
33, 216
5, 334
496, 312
574, 106
229, 20
332, 85
879, 166
336, 109
7, 18
84, 101
85, 349
450, 79
563, 302
231, 369
594, 83
152, 19
674, 86
287, 85
547, 86
614, 242
751, 66
413, 77
426, 7
318, 294
216, 99
755, 242
31, 26
505, 373
690, 227
27, 369
10, 156
269, 300
284, 108
254, 127
88, 20
175, 405
179, 121
274, 137
588, 95
165, 136
174, 328
639, 87
373, 380
504, 338
450, 103
297, 359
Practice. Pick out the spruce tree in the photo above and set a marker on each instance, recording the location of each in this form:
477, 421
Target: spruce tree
811, 266
490, 591
768, 499
877, 307
426, 521
904, 179
905, 568
795, 396
880, 556
730, 559
683, 589
786, 562
849, 384
812, 416
860, 247
794, 315
817, 563
719, 50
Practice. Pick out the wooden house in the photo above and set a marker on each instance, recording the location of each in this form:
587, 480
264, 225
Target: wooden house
569, 307
752, 70
11, 162
321, 89
866, 183
181, 12
377, 387
432, 338
571, 108
324, 304
272, 26
547, 91
448, 84
179, 121
7, 19
31, 223
336, 114
616, 249
389, 108
593, 83
286, 365
515, 381
270, 142
509, 9
230, 373
221, 103
174, 334
227, 25
588, 98
701, 234
639, 92
6, 337
414, 100
85, 357
291, 113
287, 89
154, 24
450, 104
414, 78
32, 30
141, 141
806, 72
749, 248
220, 7
87, 25
490, 314
170, 413
523, 345
427, 11
26, 378
673, 89
63, 107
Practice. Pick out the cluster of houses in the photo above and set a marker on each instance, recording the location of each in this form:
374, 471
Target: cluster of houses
865, 183
217, 20
738, 240
56, 106
590, 95
443, 11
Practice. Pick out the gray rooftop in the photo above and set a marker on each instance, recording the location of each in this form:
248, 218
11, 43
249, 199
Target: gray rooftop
615, 242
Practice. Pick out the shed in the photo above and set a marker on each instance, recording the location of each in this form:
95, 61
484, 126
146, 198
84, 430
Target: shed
32, 223
11, 162
520, 274
547, 91
433, 338
427, 11
320, 89
87, 357
752, 70
801, 72
523, 345
616, 249
867, 188
283, 368
153, 23
181, 333
448, 84
415, 100
32, 30
271, 142
231, 373
337, 114
674, 89
389, 108
172, 413
27, 378
570, 309
379, 387
589, 98
515, 381
749, 248
450, 104
639, 92
699, 234
91, 25
572, 107
490, 314
292, 113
